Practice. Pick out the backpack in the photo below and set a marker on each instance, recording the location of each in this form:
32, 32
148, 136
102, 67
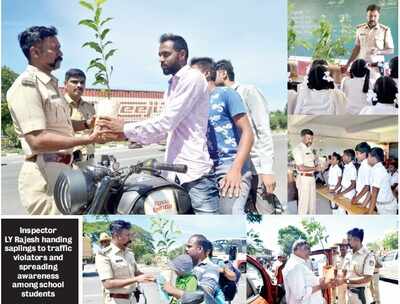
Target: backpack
228, 287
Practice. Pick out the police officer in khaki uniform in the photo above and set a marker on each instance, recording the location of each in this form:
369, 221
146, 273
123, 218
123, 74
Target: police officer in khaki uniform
341, 290
375, 281
104, 240
359, 265
41, 119
75, 82
373, 41
305, 182
117, 267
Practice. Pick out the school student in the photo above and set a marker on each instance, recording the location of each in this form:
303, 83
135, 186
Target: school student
363, 174
381, 193
356, 87
349, 176
385, 90
320, 96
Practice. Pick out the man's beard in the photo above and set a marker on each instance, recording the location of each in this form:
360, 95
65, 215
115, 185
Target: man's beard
56, 64
172, 69
371, 23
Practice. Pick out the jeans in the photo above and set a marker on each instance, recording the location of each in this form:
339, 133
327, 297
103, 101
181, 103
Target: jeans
203, 194
234, 205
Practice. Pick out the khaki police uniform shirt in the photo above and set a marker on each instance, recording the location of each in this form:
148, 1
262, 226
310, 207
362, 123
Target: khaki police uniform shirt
303, 155
359, 264
36, 103
82, 111
115, 263
378, 37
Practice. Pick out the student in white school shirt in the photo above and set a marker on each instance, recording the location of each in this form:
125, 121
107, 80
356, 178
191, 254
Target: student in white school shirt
320, 96
384, 98
348, 183
381, 193
356, 87
363, 174
334, 176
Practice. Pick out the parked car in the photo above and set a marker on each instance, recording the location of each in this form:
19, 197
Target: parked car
390, 266
260, 289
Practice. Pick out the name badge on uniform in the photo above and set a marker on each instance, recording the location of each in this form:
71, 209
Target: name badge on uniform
308, 153
119, 261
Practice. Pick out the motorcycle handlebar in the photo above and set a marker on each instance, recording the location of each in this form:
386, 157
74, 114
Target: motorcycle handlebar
171, 167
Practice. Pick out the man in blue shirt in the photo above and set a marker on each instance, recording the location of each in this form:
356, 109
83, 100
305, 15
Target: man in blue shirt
229, 140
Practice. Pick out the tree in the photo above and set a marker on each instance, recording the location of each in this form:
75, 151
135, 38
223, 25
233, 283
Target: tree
254, 243
8, 77
390, 240
142, 241
316, 233
167, 233
287, 236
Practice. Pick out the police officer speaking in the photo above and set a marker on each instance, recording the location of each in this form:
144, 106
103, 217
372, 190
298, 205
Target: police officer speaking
359, 265
305, 182
117, 267
41, 120
373, 41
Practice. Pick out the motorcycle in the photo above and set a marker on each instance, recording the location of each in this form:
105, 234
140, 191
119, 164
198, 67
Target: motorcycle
106, 188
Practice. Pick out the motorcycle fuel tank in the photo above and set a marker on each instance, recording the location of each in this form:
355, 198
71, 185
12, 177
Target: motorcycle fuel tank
146, 194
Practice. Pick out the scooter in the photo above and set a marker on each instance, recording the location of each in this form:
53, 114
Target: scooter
106, 188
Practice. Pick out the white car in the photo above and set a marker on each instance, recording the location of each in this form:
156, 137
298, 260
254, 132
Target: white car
390, 266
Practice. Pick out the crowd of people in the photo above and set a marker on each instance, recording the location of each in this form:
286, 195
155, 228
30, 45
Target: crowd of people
360, 87
353, 276
192, 277
357, 94
216, 127
363, 176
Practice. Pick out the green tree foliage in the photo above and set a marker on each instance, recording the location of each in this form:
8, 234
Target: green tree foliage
166, 232
278, 120
287, 236
391, 241
8, 77
315, 231
176, 251
101, 44
254, 243
142, 240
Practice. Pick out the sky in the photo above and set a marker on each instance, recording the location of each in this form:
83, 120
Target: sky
220, 227
374, 227
252, 34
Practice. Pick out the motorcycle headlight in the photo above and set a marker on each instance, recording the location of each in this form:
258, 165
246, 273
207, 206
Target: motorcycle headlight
72, 191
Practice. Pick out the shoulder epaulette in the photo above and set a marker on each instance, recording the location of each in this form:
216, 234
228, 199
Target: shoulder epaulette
29, 80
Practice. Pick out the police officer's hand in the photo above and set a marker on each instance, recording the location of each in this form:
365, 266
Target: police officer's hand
111, 136
373, 51
269, 182
344, 68
143, 278
91, 122
230, 185
96, 138
111, 124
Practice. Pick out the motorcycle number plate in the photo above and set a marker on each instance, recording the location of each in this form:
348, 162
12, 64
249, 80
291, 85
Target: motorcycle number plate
160, 202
